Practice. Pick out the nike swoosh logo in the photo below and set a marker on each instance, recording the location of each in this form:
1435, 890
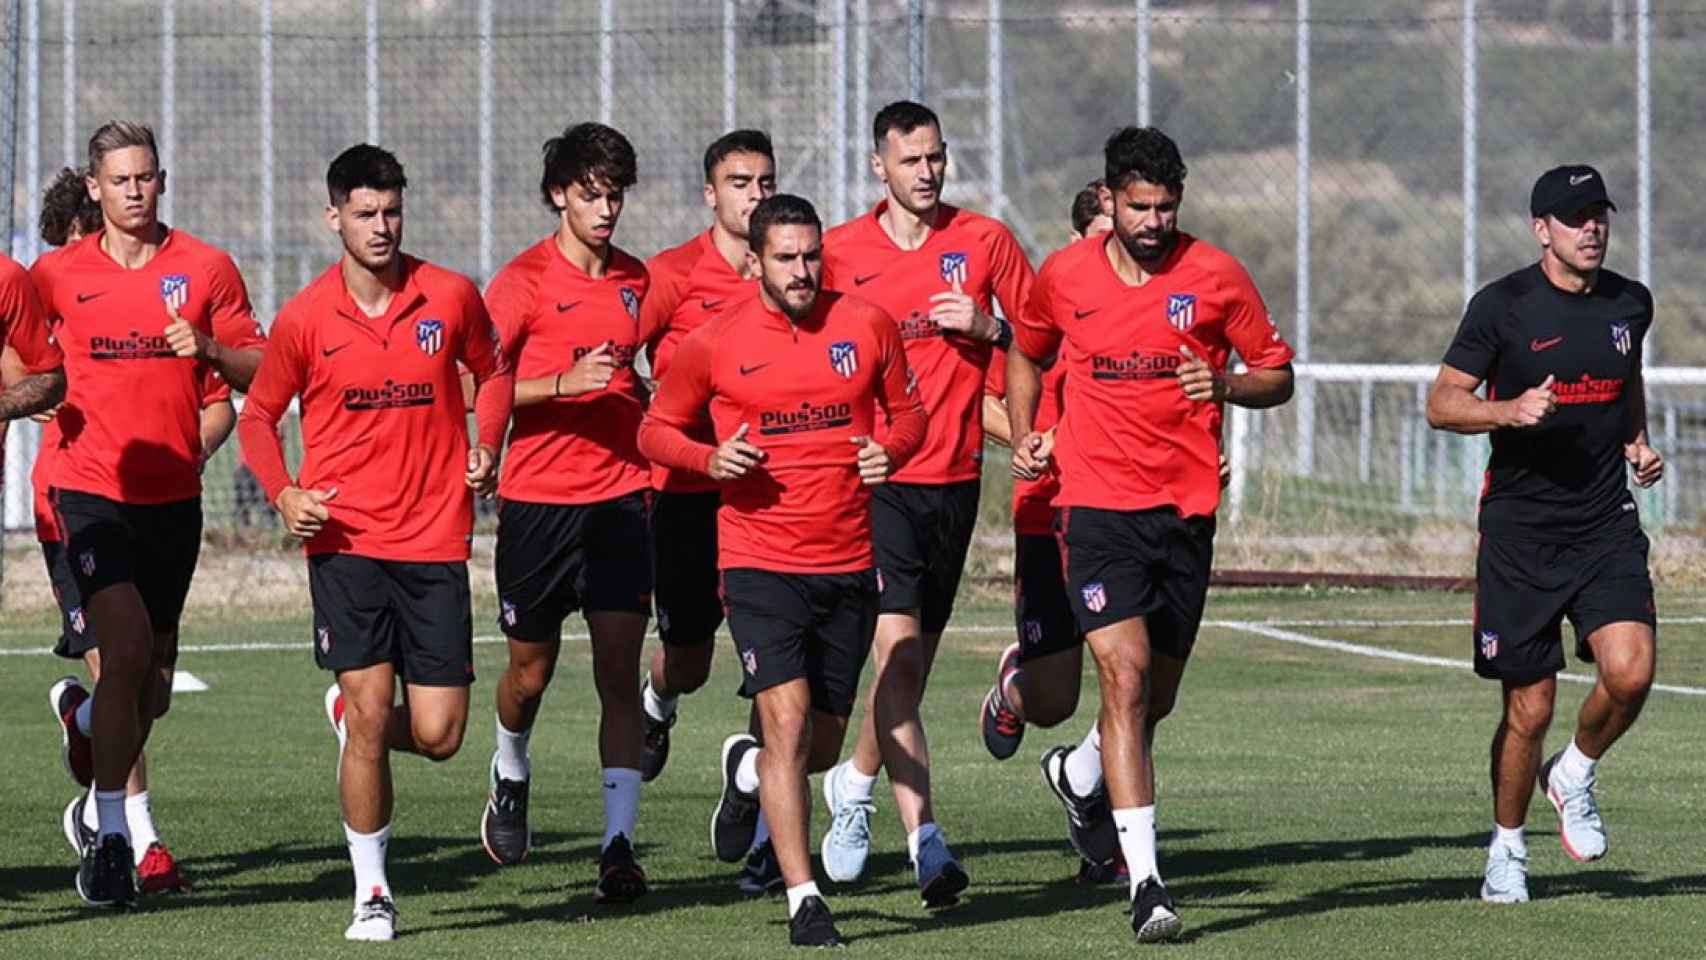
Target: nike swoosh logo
1580, 179
861, 281
1081, 314
609, 786
710, 304
566, 307
86, 297
1538, 345
747, 371
328, 351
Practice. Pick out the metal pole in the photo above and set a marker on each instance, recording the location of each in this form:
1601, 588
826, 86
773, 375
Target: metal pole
1143, 63
1471, 145
269, 254
731, 76
68, 74
915, 49
862, 61
992, 100
1306, 399
372, 71
9, 122
168, 96
606, 57
32, 130
1644, 146
487, 110
838, 208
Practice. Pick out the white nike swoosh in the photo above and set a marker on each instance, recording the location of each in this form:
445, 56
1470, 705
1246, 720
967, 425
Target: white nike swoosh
1580, 179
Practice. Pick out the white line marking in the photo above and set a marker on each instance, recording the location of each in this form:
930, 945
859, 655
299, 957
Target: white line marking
184, 681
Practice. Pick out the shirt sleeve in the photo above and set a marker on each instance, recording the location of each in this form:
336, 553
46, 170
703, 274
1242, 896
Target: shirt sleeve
214, 389
1475, 348
663, 294
1010, 274
233, 318
487, 357
680, 402
1036, 334
24, 321
1249, 327
897, 393
282, 374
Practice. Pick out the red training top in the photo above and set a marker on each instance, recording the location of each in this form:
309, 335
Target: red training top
23, 321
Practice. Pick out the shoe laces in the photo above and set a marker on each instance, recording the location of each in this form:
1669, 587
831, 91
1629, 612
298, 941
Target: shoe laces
1007, 723
509, 798
1579, 803
378, 908
657, 731
1507, 868
852, 826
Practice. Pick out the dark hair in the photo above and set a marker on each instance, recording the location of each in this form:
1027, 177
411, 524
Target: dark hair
119, 135
903, 117
586, 152
363, 166
1143, 153
738, 141
779, 210
65, 204
1087, 205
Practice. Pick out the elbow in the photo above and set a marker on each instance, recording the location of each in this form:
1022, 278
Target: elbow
647, 441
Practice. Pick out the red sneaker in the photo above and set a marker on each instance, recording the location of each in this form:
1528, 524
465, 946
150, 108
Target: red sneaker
159, 872
77, 751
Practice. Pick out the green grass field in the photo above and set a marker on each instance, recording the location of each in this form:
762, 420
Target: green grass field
1314, 802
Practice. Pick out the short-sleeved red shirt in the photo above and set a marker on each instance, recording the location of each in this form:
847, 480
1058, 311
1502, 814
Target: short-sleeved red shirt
131, 423
550, 314
23, 320
1129, 439
979, 253
805, 392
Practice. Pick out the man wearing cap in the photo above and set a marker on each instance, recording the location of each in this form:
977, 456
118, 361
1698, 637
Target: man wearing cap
1558, 344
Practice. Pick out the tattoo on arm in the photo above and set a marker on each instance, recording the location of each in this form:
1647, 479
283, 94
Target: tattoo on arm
32, 394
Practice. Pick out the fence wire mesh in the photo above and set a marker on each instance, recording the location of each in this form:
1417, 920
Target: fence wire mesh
1369, 160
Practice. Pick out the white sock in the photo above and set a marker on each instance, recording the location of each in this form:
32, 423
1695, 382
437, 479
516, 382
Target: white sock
916, 839
797, 895
746, 773
656, 707
109, 813
1084, 764
855, 784
367, 855
85, 715
1510, 838
1137, 841
513, 763
621, 802
1574, 764
760, 836
90, 819
140, 819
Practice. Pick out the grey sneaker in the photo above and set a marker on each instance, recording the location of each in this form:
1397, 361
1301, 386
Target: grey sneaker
941, 879
1579, 827
1507, 876
847, 843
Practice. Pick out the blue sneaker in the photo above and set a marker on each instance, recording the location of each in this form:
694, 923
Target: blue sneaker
847, 844
941, 879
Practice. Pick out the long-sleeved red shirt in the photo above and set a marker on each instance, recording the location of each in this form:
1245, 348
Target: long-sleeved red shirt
383, 417
805, 392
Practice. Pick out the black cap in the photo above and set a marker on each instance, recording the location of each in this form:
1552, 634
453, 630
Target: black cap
1567, 189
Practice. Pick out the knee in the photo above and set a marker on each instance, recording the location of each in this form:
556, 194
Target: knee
439, 743
529, 679
1051, 711
1125, 687
903, 670
787, 741
159, 697
687, 668
364, 726
1528, 717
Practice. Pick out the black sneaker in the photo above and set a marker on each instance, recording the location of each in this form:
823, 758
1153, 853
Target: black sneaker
1153, 916
1089, 821
761, 874
104, 877
503, 825
736, 817
812, 926
620, 879
654, 749
77, 833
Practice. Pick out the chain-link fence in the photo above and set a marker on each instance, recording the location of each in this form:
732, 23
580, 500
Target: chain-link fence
1369, 160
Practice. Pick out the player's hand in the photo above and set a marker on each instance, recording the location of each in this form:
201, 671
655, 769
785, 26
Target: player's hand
46, 416
955, 311
734, 458
874, 463
185, 339
1199, 380
1534, 405
1649, 466
1225, 472
1033, 454
590, 373
482, 474
304, 511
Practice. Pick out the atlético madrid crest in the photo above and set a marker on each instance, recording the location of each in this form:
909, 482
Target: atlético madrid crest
175, 290
1182, 310
1620, 338
429, 336
955, 268
631, 302
844, 357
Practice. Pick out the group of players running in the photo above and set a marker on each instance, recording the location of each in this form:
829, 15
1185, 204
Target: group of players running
804, 462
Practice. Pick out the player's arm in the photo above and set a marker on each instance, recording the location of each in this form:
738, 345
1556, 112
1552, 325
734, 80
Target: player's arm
494, 392
282, 374
1649, 467
897, 395
1268, 379
217, 420
682, 397
37, 382
1036, 340
1256, 388
236, 345
996, 426
1453, 402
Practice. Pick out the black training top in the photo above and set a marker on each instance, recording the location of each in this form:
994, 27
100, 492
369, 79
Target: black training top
1564, 479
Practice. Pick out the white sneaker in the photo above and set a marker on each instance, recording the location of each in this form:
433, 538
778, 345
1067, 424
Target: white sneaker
1579, 827
374, 920
847, 844
1506, 879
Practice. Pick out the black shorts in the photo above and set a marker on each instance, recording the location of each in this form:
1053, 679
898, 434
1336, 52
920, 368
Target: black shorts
1153, 564
816, 626
75, 637
920, 532
684, 551
415, 616
1524, 589
152, 545
1040, 610
555, 558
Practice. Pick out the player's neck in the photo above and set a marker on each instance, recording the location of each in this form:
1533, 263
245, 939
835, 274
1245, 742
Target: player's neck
1567, 278
133, 250
1132, 271
372, 290
732, 248
908, 230
588, 259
